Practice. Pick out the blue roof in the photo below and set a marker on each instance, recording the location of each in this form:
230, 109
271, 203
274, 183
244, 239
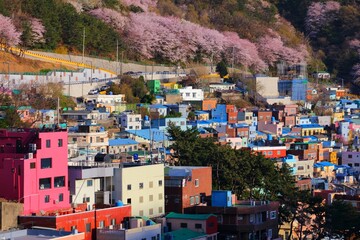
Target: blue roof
156, 134
285, 130
159, 97
323, 164
121, 141
311, 126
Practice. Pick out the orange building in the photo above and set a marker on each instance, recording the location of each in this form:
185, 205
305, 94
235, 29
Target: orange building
208, 104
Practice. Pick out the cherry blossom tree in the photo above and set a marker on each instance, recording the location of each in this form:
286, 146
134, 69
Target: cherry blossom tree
319, 14
37, 29
355, 44
272, 50
143, 4
9, 35
111, 17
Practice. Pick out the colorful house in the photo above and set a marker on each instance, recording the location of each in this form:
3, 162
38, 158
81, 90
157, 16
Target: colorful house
33, 169
186, 187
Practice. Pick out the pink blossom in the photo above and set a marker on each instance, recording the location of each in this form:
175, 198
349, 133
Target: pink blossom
111, 17
272, 50
8, 33
37, 29
143, 4
319, 14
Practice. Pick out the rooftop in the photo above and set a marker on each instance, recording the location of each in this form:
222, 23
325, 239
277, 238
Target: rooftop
173, 215
121, 141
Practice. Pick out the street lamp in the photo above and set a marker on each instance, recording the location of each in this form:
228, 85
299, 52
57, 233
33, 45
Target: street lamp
8, 73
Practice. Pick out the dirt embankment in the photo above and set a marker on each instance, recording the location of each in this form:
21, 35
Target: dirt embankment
22, 65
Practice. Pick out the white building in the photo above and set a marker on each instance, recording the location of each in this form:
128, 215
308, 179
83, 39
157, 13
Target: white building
130, 121
106, 99
142, 186
267, 86
190, 94
221, 87
90, 184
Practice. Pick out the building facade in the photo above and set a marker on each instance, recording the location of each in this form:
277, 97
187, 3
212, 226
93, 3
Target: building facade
33, 169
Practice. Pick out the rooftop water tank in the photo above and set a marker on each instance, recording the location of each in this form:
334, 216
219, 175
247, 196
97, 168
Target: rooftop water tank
119, 203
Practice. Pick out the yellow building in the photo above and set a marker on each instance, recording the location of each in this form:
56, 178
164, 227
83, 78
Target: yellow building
142, 186
333, 158
312, 129
338, 116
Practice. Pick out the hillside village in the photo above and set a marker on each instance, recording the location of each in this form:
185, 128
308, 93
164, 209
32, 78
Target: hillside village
108, 169
177, 120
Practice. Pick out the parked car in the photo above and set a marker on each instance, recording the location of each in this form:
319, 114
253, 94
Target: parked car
104, 88
93, 91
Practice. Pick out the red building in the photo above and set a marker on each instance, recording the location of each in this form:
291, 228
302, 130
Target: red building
186, 187
86, 221
231, 114
33, 169
271, 151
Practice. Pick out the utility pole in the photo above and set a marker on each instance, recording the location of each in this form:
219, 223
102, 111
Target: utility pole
232, 62
117, 55
8, 73
83, 50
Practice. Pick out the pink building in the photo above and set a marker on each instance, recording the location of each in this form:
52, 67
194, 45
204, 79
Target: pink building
33, 169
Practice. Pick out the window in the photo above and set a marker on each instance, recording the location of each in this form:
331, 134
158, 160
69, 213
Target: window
61, 197
160, 183
153, 238
151, 184
60, 142
300, 168
150, 198
86, 199
196, 182
48, 143
151, 211
278, 152
197, 199
32, 165
350, 164
47, 198
113, 221
59, 181
89, 183
356, 164
160, 196
73, 227
88, 227
44, 183
198, 225
141, 213
128, 201
101, 224
183, 225
270, 153
141, 185
160, 210
141, 199
273, 215
46, 163
192, 201
129, 187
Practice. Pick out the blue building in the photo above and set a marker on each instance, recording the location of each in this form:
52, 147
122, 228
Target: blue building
296, 88
219, 113
164, 123
221, 198
299, 87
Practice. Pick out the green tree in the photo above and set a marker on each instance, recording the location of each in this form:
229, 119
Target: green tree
221, 69
342, 219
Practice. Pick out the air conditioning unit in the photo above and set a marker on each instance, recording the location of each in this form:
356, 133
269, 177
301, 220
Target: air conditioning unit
111, 227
